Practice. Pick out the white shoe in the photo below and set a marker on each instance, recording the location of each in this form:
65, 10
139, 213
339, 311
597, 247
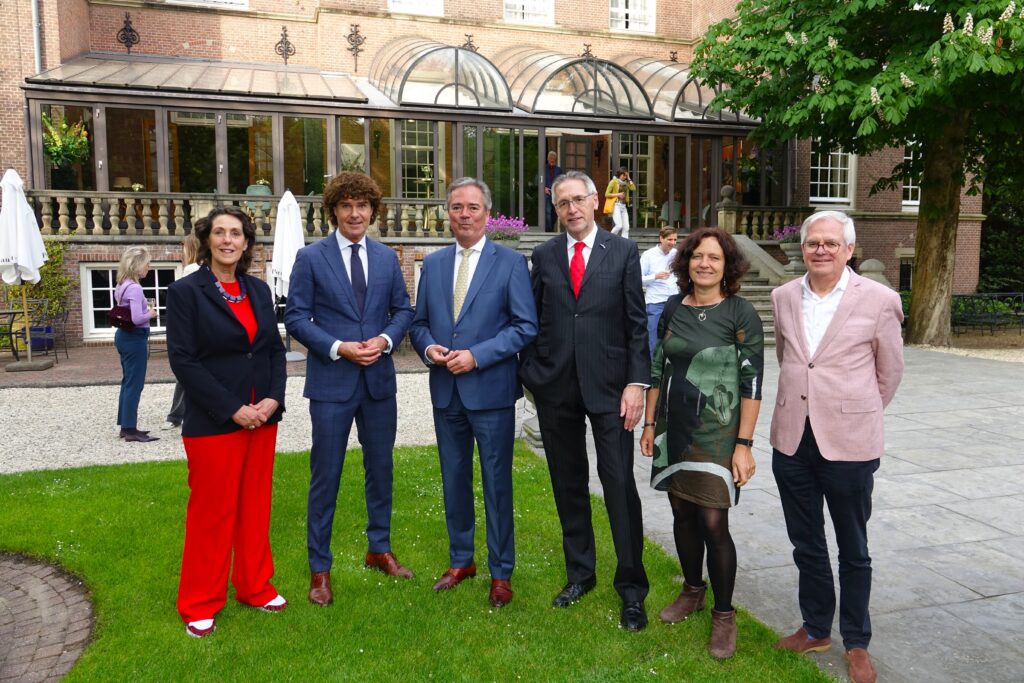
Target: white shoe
276, 605
167, 426
200, 628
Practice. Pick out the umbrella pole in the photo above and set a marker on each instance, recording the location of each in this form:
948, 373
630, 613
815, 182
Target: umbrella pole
28, 327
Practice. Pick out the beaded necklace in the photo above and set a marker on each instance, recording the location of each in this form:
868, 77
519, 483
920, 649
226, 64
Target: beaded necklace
226, 295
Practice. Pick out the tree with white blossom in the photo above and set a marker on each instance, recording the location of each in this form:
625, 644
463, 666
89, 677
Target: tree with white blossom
869, 74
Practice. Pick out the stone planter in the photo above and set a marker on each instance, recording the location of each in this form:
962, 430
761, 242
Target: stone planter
796, 262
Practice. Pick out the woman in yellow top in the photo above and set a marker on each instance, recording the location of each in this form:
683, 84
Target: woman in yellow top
619, 188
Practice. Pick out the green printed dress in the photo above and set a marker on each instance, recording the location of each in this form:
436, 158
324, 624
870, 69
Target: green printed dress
703, 368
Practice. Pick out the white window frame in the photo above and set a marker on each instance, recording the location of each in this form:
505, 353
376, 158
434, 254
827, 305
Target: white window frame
540, 12
827, 170
212, 4
911, 186
633, 16
86, 268
432, 8
413, 157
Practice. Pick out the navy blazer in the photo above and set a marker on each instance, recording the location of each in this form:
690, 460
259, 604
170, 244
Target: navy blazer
211, 356
603, 334
322, 309
497, 320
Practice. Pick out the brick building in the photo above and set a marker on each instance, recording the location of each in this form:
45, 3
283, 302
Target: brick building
190, 103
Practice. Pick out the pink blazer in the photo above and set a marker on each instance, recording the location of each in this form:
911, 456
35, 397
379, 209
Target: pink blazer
849, 381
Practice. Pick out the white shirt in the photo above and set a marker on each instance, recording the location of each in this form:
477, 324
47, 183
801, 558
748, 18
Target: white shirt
474, 258
345, 245
588, 243
652, 262
819, 311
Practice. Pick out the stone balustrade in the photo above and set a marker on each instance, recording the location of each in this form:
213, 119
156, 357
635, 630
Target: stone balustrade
61, 212
756, 222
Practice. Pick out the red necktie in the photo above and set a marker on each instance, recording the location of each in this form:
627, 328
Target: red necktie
576, 268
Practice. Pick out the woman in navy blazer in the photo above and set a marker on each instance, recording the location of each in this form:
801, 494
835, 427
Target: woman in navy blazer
225, 349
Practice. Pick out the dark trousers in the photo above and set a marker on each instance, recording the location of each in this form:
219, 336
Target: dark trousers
177, 412
494, 431
549, 214
564, 430
134, 353
376, 421
806, 480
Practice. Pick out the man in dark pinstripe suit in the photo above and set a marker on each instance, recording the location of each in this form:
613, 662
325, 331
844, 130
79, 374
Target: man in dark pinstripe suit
590, 361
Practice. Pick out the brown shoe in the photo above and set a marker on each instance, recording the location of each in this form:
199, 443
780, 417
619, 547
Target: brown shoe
387, 563
453, 576
320, 589
801, 643
501, 592
723, 634
861, 668
690, 600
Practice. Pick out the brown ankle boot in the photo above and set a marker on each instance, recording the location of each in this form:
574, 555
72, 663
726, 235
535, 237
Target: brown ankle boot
723, 634
690, 600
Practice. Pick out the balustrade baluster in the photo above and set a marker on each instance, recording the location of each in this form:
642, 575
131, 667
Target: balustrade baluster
62, 215
80, 215
97, 217
179, 216
147, 216
318, 223
162, 217
46, 209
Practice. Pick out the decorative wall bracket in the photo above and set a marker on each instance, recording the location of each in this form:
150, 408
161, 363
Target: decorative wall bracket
355, 43
284, 47
673, 56
587, 52
128, 36
468, 45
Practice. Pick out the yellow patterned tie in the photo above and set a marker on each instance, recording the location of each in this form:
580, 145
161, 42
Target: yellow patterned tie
462, 282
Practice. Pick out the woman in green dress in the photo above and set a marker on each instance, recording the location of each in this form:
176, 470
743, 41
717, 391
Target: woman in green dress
699, 422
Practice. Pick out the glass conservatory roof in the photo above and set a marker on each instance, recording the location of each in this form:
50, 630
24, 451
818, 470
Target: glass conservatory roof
675, 94
177, 75
418, 71
548, 82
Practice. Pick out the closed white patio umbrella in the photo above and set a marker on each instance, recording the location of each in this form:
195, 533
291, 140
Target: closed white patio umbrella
289, 237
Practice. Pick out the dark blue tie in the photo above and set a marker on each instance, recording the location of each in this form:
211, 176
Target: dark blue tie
358, 278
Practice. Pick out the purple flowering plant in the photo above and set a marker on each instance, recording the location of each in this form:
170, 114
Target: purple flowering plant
501, 227
788, 235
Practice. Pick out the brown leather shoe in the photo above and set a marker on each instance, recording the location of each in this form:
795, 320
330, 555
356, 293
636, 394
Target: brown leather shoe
723, 634
861, 668
800, 642
501, 592
320, 589
387, 563
690, 600
453, 576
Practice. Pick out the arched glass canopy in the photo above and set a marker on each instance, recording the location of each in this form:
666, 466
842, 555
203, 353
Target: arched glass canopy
675, 93
552, 83
417, 71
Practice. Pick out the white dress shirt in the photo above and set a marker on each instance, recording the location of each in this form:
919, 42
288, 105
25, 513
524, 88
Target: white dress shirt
819, 310
474, 258
652, 262
345, 244
588, 243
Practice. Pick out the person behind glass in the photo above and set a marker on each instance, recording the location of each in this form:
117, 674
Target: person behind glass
132, 345
619, 187
189, 252
655, 274
710, 352
551, 171
225, 349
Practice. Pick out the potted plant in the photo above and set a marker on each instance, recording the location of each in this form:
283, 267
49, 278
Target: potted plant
505, 228
64, 145
788, 239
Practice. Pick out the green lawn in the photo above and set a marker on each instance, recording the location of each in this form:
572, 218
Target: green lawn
120, 529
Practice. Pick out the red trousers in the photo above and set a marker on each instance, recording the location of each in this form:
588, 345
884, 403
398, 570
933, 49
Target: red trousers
230, 477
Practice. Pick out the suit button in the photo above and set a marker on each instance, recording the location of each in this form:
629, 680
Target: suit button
575, 315
810, 365
248, 355
455, 335
802, 397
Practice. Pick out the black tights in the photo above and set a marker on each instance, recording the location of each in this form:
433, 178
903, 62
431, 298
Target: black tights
695, 527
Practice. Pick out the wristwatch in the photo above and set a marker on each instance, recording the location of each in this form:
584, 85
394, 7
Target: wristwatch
749, 443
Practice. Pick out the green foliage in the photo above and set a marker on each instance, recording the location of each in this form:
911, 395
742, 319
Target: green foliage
53, 284
121, 528
1002, 256
64, 143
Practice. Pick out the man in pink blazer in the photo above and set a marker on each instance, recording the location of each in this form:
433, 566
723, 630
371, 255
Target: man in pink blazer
840, 354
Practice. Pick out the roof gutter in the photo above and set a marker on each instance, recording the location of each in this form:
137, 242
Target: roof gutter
37, 37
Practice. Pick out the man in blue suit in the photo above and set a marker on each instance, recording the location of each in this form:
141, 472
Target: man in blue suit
474, 312
348, 305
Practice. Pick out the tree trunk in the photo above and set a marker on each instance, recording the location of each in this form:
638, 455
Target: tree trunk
935, 244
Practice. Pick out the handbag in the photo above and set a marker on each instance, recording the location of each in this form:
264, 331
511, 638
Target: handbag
121, 317
609, 204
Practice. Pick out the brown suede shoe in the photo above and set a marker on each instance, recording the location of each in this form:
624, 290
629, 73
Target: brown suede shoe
453, 576
723, 634
501, 592
801, 643
320, 589
861, 668
387, 563
690, 600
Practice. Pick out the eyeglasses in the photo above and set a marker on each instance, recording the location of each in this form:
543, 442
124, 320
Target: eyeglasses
578, 202
812, 246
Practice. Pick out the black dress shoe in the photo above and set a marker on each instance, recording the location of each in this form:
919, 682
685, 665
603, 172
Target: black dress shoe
126, 432
634, 618
573, 592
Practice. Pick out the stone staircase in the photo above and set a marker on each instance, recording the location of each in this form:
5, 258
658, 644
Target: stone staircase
756, 288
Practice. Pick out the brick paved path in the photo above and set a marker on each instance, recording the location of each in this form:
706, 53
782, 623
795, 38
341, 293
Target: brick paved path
45, 620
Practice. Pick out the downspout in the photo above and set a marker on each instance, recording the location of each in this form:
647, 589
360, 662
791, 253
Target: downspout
37, 38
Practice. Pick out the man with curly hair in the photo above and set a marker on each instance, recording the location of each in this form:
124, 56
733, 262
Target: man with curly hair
348, 305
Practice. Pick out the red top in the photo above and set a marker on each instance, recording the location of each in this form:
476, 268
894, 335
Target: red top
242, 310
